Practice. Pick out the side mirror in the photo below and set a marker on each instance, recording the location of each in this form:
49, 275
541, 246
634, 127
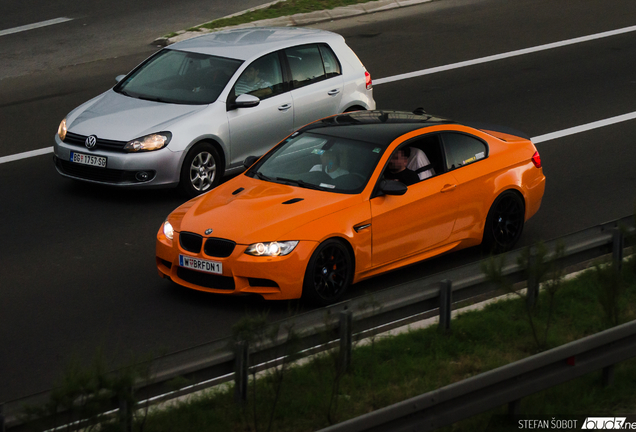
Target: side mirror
119, 77
246, 101
392, 187
249, 161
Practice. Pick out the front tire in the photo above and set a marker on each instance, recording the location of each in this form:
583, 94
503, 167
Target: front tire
329, 273
504, 223
201, 170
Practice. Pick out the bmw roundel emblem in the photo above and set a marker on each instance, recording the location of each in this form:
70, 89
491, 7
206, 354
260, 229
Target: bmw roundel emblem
208, 231
90, 141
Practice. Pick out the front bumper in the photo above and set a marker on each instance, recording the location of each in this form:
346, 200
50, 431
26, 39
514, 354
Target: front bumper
274, 278
161, 167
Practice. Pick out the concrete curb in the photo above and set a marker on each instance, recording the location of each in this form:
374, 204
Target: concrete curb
297, 19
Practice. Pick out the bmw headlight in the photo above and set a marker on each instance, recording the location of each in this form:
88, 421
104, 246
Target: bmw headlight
168, 231
271, 249
149, 142
61, 130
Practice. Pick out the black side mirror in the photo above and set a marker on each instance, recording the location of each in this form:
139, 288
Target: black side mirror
392, 187
249, 161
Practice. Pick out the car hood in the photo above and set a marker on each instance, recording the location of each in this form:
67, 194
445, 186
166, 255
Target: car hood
247, 210
117, 117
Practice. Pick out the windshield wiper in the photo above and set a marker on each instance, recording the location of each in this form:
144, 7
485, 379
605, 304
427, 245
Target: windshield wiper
299, 183
262, 176
151, 98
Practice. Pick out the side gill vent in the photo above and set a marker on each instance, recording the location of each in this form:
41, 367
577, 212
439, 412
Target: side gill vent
238, 191
293, 200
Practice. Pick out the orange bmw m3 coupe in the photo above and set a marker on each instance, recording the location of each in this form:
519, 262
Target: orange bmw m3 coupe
349, 197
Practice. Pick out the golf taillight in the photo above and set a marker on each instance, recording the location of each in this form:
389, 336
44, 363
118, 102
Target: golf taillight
536, 159
367, 77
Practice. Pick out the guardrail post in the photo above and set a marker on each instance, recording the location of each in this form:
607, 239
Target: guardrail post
618, 243
532, 293
608, 375
445, 304
514, 407
125, 415
241, 365
346, 334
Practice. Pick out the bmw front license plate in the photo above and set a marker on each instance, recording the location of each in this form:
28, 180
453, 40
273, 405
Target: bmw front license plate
200, 265
84, 159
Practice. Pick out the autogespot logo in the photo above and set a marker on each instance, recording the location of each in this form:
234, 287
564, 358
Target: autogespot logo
605, 423
90, 142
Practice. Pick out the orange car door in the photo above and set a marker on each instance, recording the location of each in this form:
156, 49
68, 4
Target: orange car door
465, 155
420, 219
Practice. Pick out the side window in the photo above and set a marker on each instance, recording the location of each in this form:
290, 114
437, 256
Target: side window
305, 63
397, 166
461, 150
330, 61
262, 78
426, 156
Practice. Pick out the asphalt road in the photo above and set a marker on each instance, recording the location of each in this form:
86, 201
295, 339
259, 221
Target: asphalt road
77, 261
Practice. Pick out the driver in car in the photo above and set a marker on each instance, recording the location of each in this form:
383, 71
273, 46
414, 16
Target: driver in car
251, 83
397, 169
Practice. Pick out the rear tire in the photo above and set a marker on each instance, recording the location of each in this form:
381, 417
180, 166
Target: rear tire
201, 170
504, 223
329, 273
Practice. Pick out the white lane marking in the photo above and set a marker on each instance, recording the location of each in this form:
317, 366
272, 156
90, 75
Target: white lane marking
503, 56
34, 26
25, 155
537, 139
584, 128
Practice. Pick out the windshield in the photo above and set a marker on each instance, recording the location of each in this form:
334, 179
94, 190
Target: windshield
319, 161
179, 77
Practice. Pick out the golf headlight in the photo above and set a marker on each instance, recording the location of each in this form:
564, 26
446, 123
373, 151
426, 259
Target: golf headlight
61, 130
168, 231
271, 249
149, 142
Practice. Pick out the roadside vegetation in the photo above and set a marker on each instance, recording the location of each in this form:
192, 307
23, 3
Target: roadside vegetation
318, 393
276, 10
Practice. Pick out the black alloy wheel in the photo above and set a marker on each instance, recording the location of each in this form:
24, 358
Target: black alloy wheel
504, 223
329, 273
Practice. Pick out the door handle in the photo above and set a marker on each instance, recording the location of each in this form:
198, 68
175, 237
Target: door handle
333, 92
448, 188
284, 107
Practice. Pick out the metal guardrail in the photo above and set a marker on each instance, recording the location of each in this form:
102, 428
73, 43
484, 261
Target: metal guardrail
504, 385
213, 363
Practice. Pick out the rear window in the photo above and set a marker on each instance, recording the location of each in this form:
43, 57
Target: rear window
311, 63
461, 150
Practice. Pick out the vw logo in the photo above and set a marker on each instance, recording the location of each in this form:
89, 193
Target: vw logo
208, 231
90, 141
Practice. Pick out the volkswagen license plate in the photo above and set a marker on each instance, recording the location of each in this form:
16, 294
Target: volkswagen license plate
200, 265
84, 159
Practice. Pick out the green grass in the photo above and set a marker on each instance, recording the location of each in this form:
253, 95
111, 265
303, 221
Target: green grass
394, 369
283, 8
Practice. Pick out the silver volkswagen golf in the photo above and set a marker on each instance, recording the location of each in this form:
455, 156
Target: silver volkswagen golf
195, 110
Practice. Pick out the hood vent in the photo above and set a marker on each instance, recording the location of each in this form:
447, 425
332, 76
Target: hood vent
238, 191
293, 200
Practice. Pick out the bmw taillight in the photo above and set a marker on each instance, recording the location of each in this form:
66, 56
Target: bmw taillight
367, 77
536, 159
